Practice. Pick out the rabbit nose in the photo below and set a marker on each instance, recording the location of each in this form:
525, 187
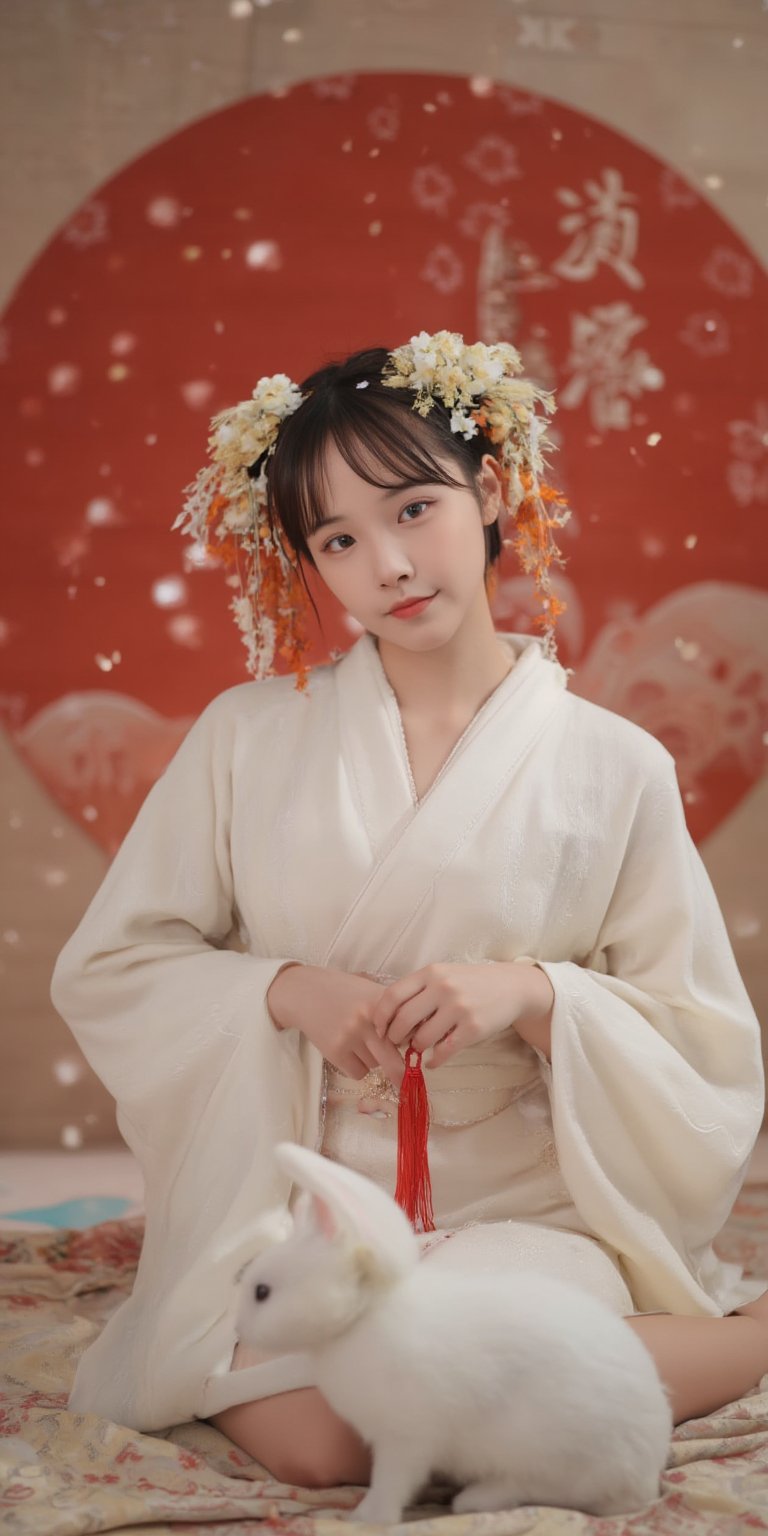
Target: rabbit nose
261, 1292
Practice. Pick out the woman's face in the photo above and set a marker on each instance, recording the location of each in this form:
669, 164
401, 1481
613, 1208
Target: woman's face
379, 548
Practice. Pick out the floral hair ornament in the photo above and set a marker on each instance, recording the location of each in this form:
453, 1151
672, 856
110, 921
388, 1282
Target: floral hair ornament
226, 507
226, 514
481, 387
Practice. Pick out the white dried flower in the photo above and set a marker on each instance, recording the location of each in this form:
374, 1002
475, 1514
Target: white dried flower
463, 424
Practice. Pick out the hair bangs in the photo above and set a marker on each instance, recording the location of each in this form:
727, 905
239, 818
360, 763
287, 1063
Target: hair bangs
379, 436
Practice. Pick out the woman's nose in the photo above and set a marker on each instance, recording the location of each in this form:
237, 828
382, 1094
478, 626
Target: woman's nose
390, 562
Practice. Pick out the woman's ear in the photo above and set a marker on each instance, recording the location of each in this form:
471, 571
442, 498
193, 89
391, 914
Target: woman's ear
490, 485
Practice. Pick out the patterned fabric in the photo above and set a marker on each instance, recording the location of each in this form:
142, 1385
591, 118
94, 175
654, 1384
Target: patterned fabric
67, 1474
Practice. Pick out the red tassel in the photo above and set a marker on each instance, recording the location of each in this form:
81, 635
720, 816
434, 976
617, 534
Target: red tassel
414, 1186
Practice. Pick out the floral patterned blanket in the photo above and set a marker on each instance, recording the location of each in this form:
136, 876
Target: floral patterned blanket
63, 1474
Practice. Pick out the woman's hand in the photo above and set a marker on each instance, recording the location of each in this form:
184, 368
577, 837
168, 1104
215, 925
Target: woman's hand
335, 1011
450, 1007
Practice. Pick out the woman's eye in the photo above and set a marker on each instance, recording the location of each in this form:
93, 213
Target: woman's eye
338, 536
335, 540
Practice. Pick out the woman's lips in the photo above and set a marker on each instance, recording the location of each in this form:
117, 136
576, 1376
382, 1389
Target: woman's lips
412, 608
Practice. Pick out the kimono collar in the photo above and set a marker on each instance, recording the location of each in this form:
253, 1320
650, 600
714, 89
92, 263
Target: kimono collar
373, 740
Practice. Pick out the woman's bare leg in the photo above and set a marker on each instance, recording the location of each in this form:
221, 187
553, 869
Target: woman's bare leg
298, 1439
706, 1362
296, 1436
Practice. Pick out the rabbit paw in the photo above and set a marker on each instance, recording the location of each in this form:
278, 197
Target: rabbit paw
371, 1511
477, 1497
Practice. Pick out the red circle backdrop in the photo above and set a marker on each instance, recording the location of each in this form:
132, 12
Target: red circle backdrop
289, 229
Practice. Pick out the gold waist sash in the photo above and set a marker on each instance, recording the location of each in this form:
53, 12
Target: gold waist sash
459, 1093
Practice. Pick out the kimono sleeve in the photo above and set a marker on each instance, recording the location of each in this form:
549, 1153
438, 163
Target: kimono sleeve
656, 1079
156, 1005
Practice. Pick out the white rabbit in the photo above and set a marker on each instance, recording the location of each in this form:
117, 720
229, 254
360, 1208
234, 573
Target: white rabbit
521, 1388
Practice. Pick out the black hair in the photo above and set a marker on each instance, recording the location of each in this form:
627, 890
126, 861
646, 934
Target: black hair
375, 429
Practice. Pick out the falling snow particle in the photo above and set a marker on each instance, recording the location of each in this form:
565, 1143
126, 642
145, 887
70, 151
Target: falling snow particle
264, 255
185, 629
117, 372
169, 591
63, 379
376, 227
653, 547
122, 343
653, 438
651, 377
691, 541
163, 212
196, 393
55, 877
67, 1071
71, 1136
688, 650
292, 35
102, 513
192, 252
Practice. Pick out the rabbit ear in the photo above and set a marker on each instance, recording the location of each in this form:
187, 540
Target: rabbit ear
312, 1211
313, 1214
345, 1201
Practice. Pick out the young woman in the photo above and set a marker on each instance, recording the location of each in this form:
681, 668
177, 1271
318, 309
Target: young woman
432, 846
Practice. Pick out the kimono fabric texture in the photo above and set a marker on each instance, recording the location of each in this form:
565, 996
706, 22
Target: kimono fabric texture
288, 827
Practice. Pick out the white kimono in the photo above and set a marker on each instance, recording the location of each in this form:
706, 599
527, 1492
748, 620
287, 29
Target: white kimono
554, 830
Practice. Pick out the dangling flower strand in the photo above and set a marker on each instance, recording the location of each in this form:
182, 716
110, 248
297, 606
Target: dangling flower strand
226, 514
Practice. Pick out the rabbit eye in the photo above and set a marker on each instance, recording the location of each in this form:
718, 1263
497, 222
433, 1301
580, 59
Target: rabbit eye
262, 1292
